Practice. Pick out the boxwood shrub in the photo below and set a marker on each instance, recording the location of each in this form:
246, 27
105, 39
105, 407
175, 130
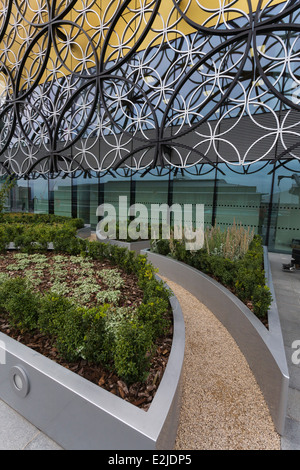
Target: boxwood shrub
33, 232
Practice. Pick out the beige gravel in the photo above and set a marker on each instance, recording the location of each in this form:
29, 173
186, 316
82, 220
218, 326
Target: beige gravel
222, 405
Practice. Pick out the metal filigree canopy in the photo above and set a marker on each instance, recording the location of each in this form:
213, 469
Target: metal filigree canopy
139, 84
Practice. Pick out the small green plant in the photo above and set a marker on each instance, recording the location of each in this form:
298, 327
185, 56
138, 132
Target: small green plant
70, 335
133, 349
20, 302
52, 312
108, 296
112, 278
96, 346
153, 314
4, 238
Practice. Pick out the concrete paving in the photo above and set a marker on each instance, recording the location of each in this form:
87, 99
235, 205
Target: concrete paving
287, 292
16, 433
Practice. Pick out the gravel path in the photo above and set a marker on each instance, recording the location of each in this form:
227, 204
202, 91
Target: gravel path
222, 405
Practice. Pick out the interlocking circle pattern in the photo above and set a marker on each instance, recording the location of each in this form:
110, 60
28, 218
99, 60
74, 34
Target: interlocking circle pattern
100, 85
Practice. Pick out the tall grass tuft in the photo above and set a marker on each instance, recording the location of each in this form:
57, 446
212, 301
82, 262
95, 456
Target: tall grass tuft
232, 243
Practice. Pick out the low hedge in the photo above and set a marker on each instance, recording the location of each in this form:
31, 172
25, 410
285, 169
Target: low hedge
121, 340
33, 232
245, 277
29, 218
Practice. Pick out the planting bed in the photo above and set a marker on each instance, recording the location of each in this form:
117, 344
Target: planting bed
88, 282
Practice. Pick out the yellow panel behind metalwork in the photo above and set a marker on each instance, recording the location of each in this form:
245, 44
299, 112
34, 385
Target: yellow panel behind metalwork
79, 37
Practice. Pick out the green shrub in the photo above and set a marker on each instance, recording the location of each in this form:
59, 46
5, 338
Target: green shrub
32, 232
20, 302
97, 344
223, 269
133, 351
261, 299
153, 289
52, 313
32, 238
4, 239
64, 240
160, 246
153, 314
29, 218
70, 335
79, 331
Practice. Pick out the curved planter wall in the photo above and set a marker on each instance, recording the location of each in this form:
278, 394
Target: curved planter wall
136, 246
263, 348
78, 414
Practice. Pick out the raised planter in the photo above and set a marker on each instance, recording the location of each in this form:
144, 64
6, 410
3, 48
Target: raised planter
136, 246
78, 414
263, 348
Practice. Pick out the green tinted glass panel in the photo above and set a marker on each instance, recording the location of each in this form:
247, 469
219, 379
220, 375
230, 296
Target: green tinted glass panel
62, 189
94, 198
39, 196
191, 189
244, 198
19, 202
149, 190
285, 220
113, 189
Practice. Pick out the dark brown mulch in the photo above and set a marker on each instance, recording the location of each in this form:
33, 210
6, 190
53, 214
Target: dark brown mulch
131, 294
138, 394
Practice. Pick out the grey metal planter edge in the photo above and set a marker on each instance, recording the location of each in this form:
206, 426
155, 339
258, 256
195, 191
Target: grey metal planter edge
263, 348
78, 414
136, 246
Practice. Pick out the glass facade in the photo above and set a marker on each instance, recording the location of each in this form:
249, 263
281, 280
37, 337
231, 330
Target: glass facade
191, 189
244, 198
285, 208
209, 116
38, 195
264, 197
61, 195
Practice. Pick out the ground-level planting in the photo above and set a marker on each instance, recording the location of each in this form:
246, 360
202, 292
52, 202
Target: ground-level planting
109, 324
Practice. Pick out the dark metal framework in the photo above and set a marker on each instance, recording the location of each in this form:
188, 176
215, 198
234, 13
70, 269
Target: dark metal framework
97, 86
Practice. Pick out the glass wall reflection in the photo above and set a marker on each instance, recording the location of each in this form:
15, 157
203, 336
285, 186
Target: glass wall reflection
86, 190
61, 189
244, 198
112, 187
38, 196
19, 197
285, 221
151, 190
259, 197
195, 186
